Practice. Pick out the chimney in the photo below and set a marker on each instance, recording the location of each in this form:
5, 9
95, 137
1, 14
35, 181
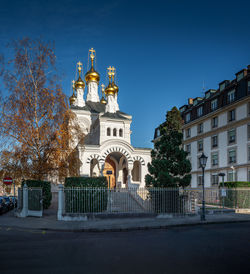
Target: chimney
190, 101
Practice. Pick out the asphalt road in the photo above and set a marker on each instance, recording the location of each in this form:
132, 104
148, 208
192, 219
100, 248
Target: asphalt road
221, 248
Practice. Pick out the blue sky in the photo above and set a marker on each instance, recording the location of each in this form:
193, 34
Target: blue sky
163, 50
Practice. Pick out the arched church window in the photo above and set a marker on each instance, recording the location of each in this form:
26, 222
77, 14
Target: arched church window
114, 132
136, 172
108, 131
120, 132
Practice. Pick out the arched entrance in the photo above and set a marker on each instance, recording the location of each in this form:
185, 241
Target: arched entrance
116, 170
109, 172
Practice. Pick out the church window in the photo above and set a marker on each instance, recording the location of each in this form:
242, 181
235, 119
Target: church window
114, 132
136, 172
120, 132
108, 131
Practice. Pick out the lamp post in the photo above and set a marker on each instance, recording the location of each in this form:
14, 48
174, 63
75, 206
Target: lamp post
223, 190
203, 162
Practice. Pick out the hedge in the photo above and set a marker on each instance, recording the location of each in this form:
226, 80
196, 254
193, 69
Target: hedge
235, 184
46, 188
168, 201
86, 182
86, 194
236, 197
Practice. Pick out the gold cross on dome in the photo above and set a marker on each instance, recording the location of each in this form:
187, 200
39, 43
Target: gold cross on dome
103, 86
73, 83
110, 70
113, 71
92, 53
79, 66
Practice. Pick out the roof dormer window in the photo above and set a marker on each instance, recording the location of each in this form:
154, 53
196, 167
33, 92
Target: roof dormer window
200, 111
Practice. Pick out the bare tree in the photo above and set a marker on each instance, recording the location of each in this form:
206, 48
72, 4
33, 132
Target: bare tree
38, 131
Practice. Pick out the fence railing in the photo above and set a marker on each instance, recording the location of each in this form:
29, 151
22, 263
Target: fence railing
129, 200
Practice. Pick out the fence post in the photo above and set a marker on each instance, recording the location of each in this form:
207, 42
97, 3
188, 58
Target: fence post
24, 212
60, 203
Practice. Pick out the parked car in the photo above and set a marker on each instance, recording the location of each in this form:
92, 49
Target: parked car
13, 200
8, 202
3, 206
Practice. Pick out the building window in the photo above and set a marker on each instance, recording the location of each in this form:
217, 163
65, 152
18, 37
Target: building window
231, 96
248, 108
199, 180
248, 86
120, 132
232, 156
231, 176
188, 116
231, 115
200, 145
200, 128
108, 131
231, 136
215, 122
214, 141
188, 132
188, 148
200, 111
248, 131
214, 104
114, 132
248, 154
214, 179
214, 158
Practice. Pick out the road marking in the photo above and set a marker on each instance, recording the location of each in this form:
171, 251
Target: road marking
7, 229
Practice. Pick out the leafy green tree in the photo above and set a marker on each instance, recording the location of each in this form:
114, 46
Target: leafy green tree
169, 166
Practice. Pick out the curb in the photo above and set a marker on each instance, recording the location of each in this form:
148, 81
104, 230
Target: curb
136, 228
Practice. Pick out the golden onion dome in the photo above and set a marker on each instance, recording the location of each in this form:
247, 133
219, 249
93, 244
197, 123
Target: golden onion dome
103, 101
92, 75
115, 87
79, 83
109, 90
72, 99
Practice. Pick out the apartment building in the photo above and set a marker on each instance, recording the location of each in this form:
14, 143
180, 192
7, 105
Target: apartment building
218, 124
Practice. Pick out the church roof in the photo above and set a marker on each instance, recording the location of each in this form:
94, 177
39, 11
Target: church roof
116, 115
97, 107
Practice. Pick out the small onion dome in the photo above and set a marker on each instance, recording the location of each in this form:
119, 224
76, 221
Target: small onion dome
92, 75
103, 101
115, 87
79, 83
72, 99
109, 90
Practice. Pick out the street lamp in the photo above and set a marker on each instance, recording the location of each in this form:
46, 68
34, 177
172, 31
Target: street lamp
203, 162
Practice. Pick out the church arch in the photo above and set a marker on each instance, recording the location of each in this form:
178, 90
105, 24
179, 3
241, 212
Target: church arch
136, 171
140, 159
116, 149
94, 168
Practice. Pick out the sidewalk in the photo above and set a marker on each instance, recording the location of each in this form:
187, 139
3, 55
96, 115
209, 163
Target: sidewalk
49, 222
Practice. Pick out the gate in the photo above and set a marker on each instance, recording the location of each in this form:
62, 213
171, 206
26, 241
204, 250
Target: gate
35, 202
30, 202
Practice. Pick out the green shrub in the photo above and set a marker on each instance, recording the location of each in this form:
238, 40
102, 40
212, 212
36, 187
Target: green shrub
167, 201
46, 187
235, 184
86, 182
236, 196
86, 194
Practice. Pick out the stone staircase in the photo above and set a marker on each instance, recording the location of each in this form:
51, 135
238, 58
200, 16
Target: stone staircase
120, 201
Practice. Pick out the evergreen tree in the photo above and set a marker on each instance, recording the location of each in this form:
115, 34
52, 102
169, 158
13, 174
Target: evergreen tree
170, 166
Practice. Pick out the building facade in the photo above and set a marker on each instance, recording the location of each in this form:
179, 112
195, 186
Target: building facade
218, 124
107, 148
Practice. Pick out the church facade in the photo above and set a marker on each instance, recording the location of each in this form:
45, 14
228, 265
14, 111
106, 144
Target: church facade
107, 149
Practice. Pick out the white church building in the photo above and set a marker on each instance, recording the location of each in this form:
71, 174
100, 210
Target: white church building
107, 149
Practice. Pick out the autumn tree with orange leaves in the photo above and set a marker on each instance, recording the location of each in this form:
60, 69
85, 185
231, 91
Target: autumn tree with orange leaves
38, 130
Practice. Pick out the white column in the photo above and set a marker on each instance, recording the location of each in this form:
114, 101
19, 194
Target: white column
92, 94
111, 105
60, 202
116, 103
24, 212
79, 96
